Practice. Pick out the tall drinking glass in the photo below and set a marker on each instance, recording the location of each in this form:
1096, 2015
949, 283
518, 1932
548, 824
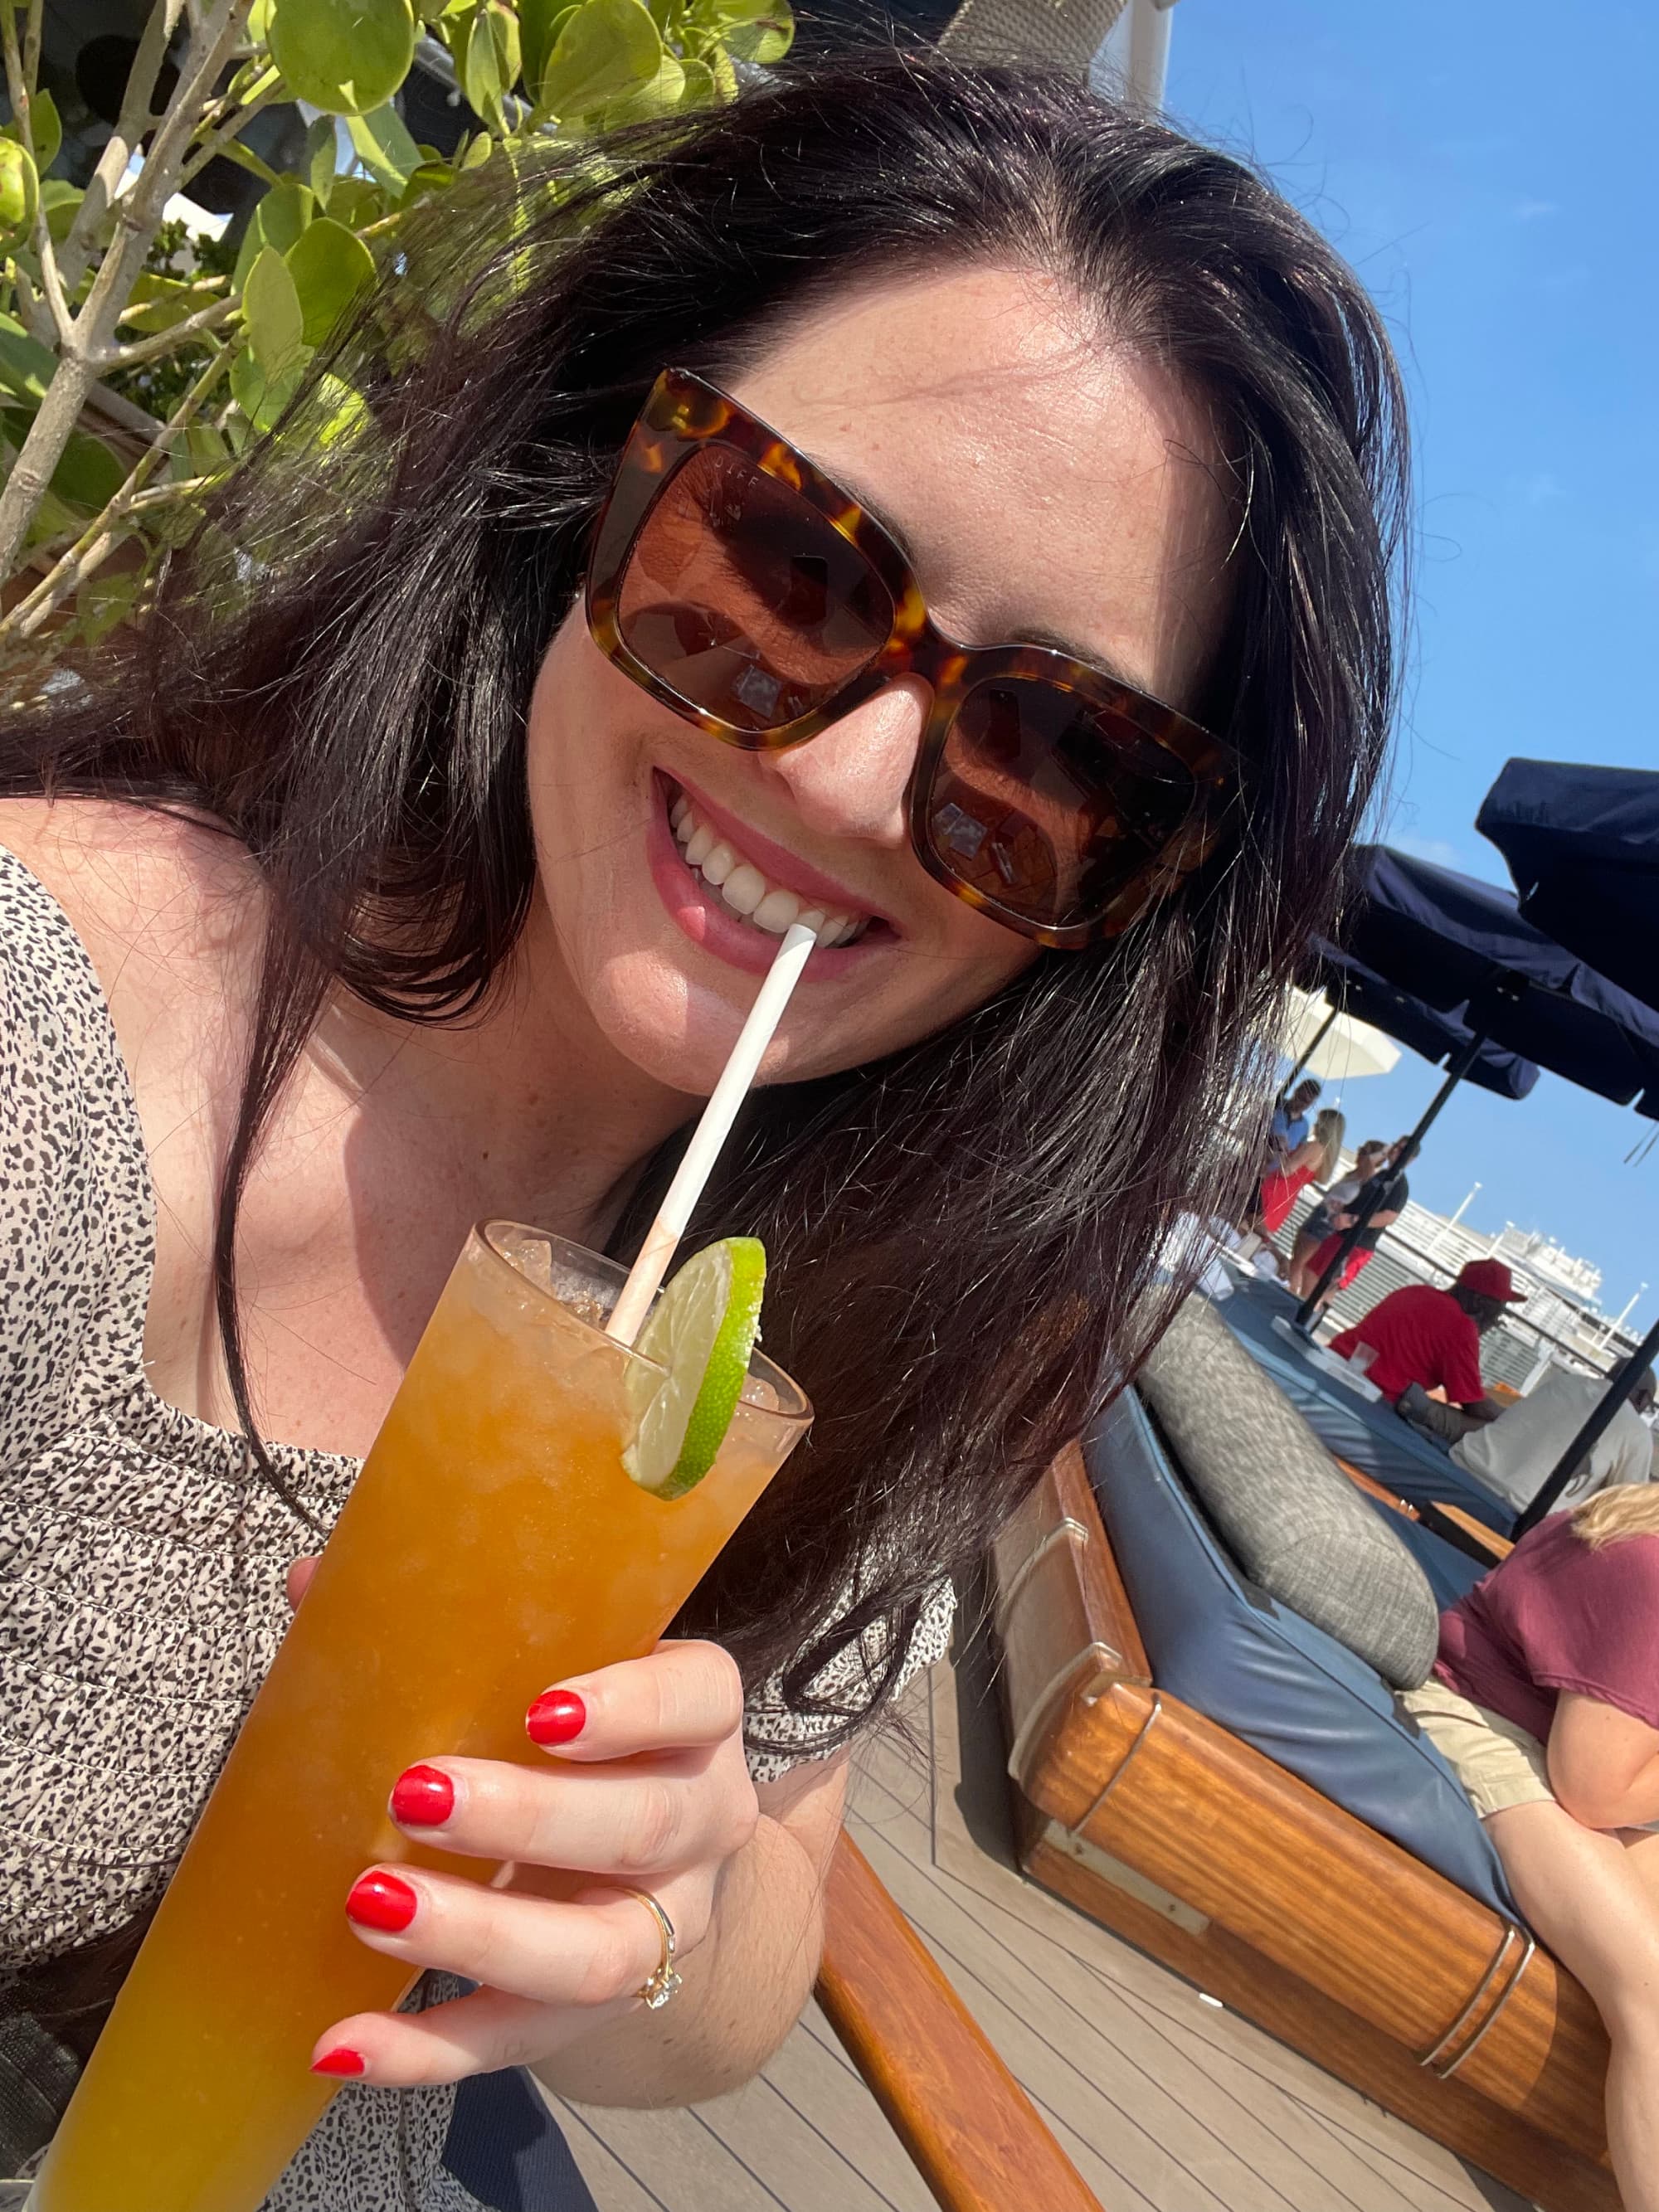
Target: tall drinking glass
492, 1544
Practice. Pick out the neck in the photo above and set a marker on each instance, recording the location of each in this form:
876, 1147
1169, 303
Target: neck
528, 1111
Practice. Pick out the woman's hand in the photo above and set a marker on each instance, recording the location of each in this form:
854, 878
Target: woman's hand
646, 1788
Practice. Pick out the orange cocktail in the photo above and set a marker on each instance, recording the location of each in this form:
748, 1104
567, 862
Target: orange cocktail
493, 1545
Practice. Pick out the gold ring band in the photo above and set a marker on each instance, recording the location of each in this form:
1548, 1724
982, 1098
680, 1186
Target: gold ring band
656, 1992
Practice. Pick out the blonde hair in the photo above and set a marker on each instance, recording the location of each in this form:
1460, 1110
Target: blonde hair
1329, 1129
1629, 1508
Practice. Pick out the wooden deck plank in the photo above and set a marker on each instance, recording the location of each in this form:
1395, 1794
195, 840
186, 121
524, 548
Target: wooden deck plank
1088, 2071
614, 2187
972, 1839
1164, 2103
1165, 2025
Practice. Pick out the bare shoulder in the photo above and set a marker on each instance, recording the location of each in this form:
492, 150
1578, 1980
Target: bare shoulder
168, 909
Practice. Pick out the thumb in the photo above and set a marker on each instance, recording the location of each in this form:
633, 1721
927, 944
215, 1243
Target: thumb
299, 1581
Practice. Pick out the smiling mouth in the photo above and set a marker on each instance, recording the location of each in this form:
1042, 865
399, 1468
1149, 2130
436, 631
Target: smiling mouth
744, 889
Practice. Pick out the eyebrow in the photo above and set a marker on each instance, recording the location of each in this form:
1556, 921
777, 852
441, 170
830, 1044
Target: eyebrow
1029, 633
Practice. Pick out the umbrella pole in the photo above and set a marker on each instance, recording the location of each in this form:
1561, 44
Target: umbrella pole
1616, 1394
1307, 1311
1319, 1037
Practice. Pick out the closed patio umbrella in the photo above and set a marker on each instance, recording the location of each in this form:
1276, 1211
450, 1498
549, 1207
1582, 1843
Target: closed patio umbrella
1582, 847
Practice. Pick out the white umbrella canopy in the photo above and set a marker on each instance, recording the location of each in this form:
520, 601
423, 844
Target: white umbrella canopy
1348, 1048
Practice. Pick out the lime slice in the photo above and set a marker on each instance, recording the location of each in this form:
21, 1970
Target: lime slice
701, 1331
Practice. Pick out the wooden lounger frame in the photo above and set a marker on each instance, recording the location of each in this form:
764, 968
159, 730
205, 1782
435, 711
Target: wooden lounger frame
1175, 1833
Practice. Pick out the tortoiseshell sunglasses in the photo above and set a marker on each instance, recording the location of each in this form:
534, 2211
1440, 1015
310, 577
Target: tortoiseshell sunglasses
736, 584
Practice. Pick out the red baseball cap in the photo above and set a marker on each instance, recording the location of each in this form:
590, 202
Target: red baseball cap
1492, 1279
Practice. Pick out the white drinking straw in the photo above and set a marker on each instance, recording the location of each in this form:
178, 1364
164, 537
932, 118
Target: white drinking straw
645, 1277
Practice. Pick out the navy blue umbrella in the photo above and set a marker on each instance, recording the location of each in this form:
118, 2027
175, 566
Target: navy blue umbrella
1361, 992
1582, 846
1463, 949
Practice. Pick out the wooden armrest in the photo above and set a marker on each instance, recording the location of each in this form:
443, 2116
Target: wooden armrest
972, 2133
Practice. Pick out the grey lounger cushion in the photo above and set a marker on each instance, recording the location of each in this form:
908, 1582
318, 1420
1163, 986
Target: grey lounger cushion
1292, 1521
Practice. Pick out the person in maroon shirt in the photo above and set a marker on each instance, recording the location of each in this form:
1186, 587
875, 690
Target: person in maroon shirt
1545, 1701
1420, 1335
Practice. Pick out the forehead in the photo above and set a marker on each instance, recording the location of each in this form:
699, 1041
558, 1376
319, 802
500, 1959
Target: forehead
1045, 480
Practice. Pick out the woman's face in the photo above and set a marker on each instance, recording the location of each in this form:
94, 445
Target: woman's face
1049, 489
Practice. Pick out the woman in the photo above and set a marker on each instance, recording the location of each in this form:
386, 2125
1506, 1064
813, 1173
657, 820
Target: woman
1319, 1222
1382, 1199
1315, 1161
374, 850
1545, 1703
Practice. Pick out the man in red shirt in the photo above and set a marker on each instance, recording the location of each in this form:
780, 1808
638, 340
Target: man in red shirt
1423, 1335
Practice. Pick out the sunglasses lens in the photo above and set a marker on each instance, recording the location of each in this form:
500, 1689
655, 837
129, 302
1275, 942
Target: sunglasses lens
744, 599
1049, 804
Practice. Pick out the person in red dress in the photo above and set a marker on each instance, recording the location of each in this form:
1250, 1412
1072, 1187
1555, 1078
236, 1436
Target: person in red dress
1315, 1161
1545, 1702
1431, 1337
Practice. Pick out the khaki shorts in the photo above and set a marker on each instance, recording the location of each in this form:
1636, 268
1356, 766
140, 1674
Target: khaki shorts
1499, 1764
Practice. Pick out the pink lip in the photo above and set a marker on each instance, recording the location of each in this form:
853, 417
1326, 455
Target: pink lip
778, 865
707, 919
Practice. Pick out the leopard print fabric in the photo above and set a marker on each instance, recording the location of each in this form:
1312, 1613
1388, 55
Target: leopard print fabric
142, 1563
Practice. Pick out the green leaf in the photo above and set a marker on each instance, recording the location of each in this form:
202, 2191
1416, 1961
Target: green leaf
88, 475
25, 366
430, 177
62, 202
701, 90
660, 97
19, 188
539, 24
48, 130
330, 268
276, 221
104, 600
356, 201
258, 22
260, 395
158, 302
205, 450
385, 147
490, 68
344, 411
346, 57
321, 157
754, 30
604, 48
270, 308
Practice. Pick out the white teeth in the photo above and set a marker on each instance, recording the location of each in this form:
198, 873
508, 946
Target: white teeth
776, 911
745, 890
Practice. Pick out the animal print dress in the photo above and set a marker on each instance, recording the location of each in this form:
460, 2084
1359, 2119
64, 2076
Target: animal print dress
142, 1567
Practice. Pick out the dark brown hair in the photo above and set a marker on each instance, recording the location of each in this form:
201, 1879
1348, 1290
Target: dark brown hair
967, 1237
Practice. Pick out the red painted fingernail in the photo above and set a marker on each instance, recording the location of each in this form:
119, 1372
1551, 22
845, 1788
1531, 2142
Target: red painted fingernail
341, 2060
422, 1797
381, 1901
556, 1716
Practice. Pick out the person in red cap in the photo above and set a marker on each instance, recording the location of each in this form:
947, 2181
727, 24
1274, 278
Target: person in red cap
1432, 1338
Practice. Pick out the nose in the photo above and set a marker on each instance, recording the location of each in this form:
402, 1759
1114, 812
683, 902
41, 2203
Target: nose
851, 779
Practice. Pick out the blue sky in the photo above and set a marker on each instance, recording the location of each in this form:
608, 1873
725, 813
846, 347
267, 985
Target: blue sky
1487, 169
